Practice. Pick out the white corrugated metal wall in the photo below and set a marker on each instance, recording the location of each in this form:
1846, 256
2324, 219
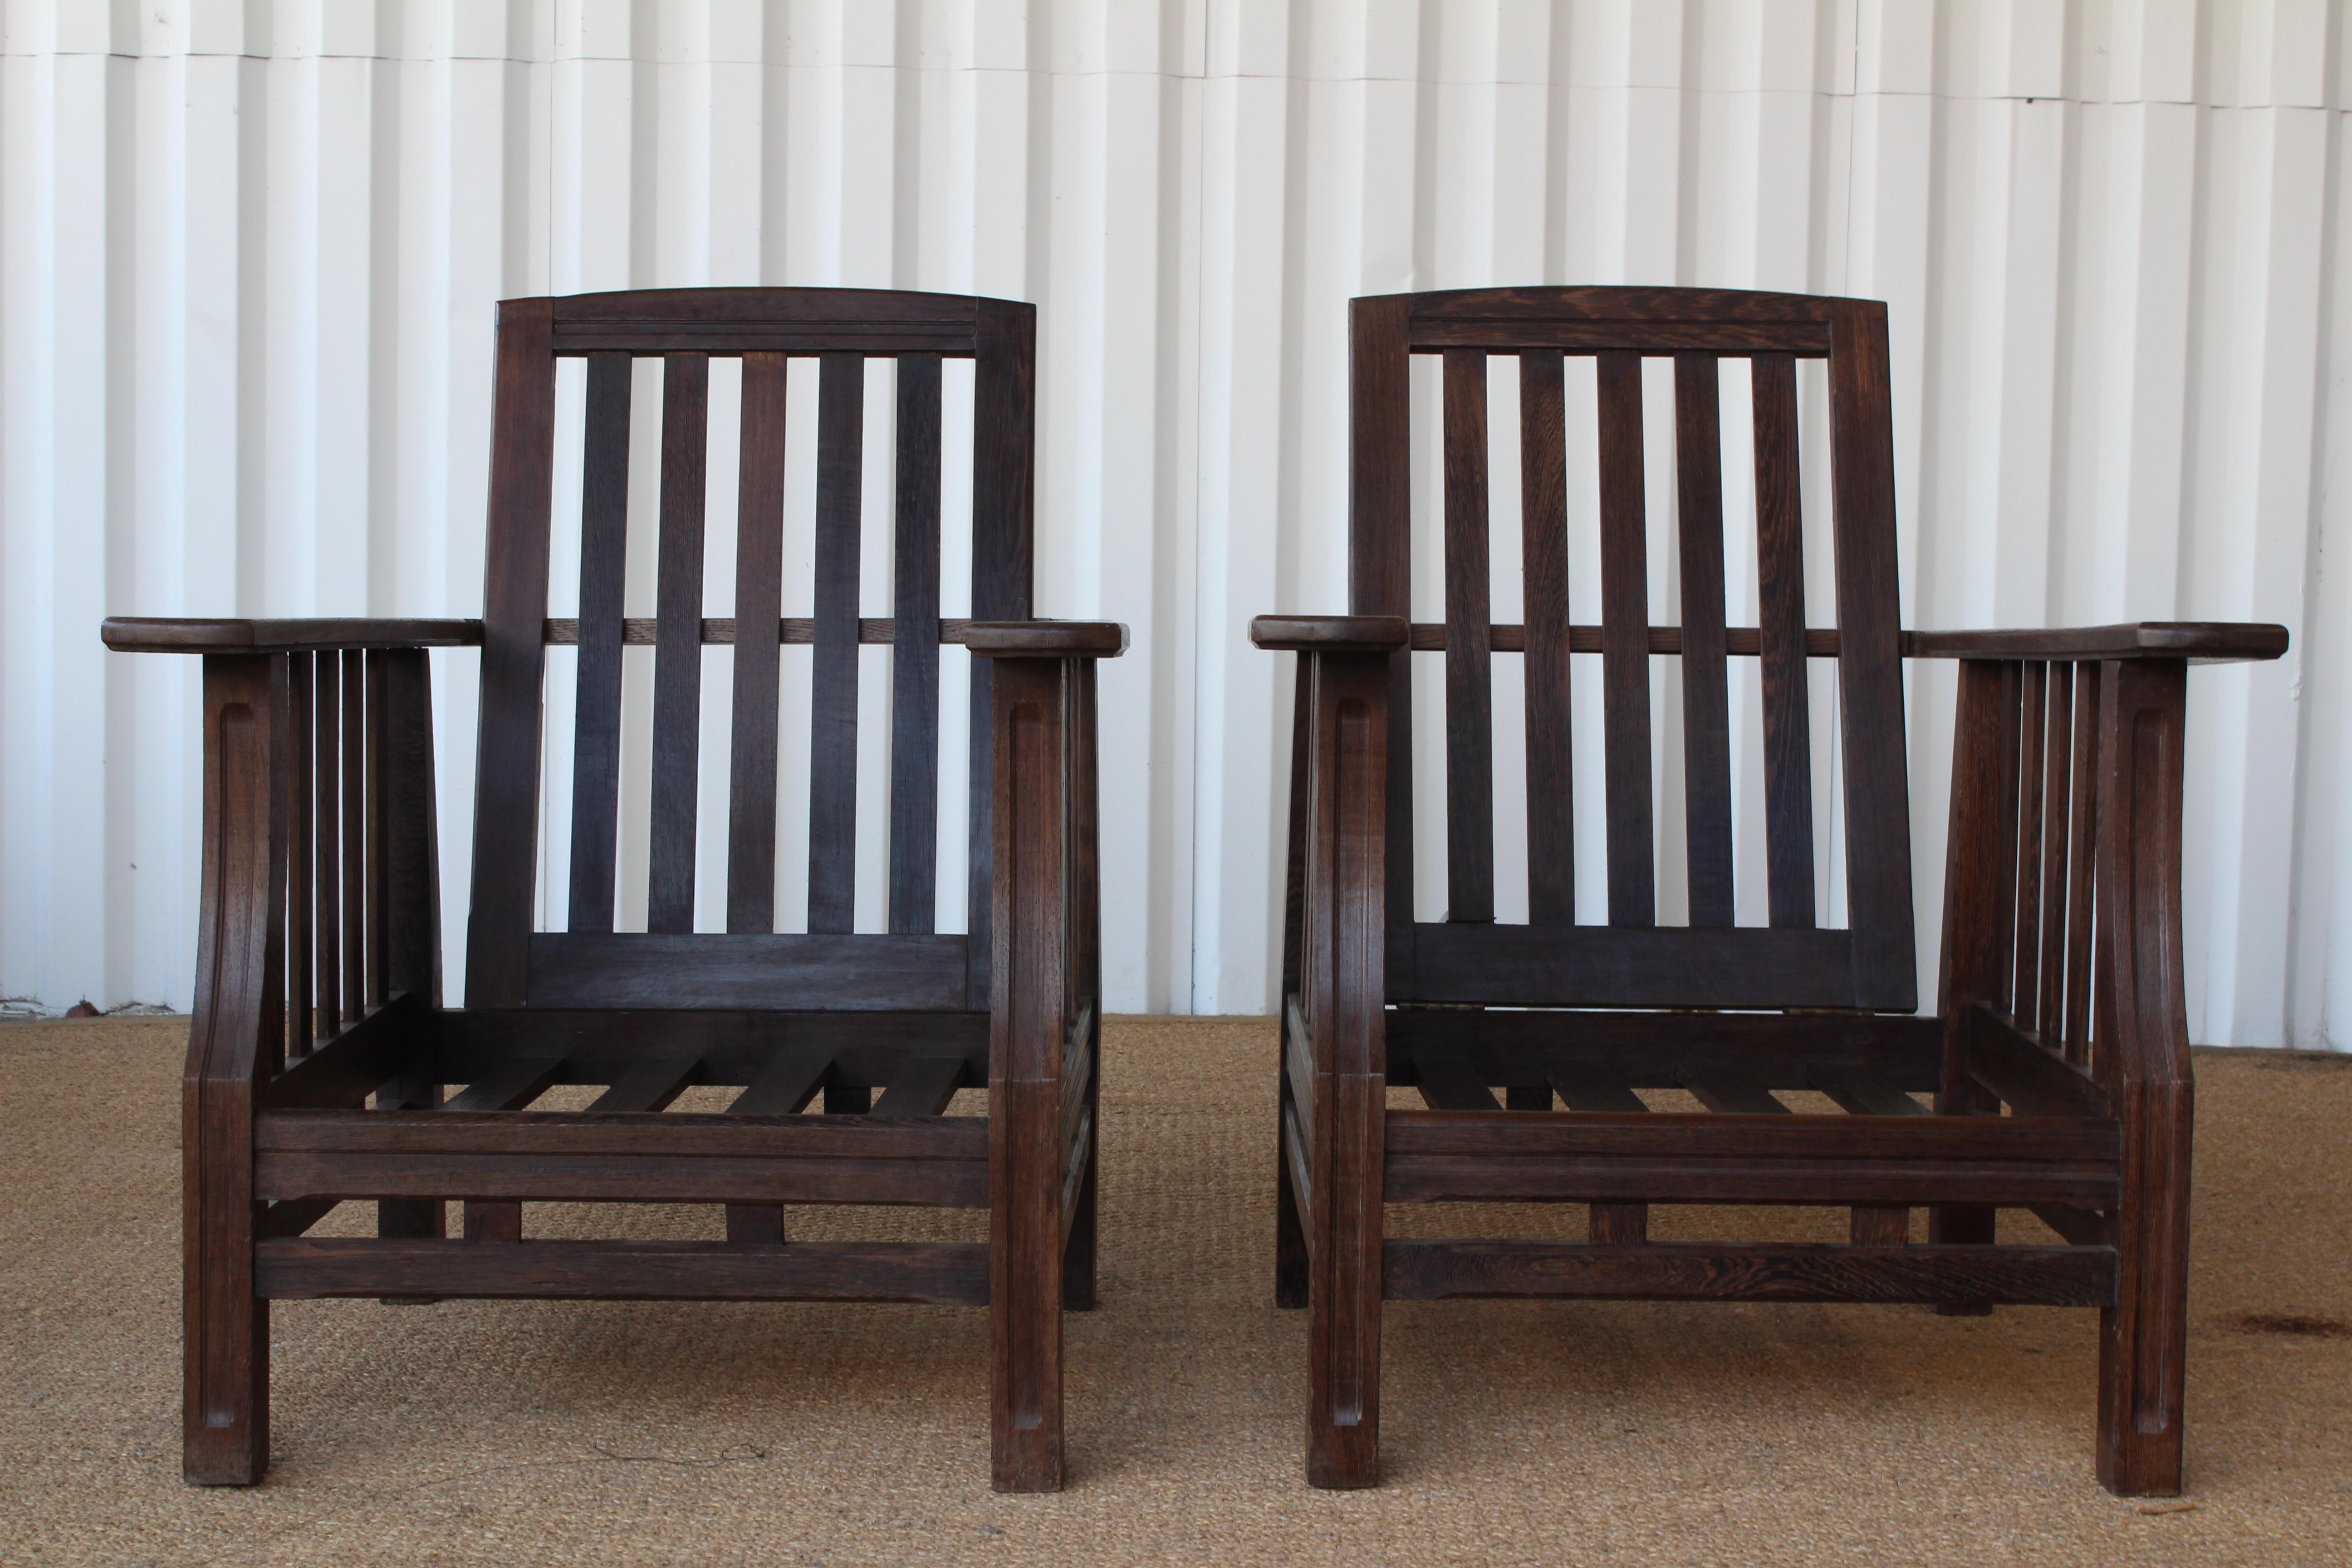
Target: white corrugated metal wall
249, 247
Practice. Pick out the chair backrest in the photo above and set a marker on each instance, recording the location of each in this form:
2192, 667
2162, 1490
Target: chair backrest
510, 963
1631, 962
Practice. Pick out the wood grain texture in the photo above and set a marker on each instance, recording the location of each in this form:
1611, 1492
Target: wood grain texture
1029, 1014
1706, 708
207, 635
759, 600
944, 1273
1349, 829
514, 610
1678, 1271
1004, 480
225, 1417
774, 970
1877, 793
2142, 1055
915, 658
833, 700
1469, 701
1781, 632
597, 703
1625, 653
678, 651
1543, 563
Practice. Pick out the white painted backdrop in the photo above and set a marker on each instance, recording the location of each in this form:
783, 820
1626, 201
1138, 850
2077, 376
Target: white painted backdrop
248, 251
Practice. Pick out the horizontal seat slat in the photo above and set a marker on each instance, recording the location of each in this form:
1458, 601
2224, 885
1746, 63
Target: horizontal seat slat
787, 1084
514, 1086
922, 1087
599, 969
944, 1273
1631, 966
1426, 1271
342, 1071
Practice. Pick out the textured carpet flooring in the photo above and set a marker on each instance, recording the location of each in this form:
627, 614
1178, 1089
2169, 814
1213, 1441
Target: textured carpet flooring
1515, 1432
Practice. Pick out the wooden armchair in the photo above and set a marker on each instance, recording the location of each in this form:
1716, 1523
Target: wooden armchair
2058, 1061
318, 981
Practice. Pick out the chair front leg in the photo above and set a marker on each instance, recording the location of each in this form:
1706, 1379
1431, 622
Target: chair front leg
1031, 984
2141, 1042
234, 1039
1343, 958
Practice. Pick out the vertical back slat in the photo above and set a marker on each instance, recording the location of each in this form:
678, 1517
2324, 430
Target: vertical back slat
1706, 704
1469, 708
1875, 777
677, 643
354, 838
514, 623
2025, 974
2049, 1008
300, 858
1543, 559
832, 706
379, 929
2081, 859
1780, 621
914, 653
326, 822
604, 569
759, 610
1003, 487
1625, 641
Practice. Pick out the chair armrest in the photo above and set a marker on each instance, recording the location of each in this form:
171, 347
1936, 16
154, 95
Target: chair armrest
160, 634
2205, 641
1330, 633
1045, 639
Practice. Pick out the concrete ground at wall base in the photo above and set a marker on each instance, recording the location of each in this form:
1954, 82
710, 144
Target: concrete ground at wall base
1515, 1432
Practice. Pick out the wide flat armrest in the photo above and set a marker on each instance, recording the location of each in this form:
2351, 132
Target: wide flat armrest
1330, 633
1045, 639
2203, 640
157, 634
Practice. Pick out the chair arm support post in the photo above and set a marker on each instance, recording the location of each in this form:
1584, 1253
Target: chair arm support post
1042, 974
1341, 955
236, 1039
2142, 1053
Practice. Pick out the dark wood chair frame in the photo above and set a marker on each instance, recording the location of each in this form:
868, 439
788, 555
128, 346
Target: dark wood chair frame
318, 973
2058, 1060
